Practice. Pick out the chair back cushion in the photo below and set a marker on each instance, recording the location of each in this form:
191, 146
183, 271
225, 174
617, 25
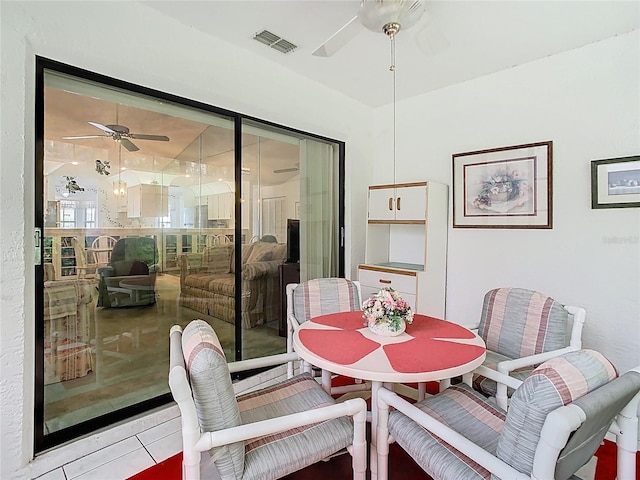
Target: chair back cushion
555, 383
516, 322
135, 248
213, 394
323, 296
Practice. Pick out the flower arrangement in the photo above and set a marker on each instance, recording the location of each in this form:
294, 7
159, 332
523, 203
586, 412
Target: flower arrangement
387, 307
502, 186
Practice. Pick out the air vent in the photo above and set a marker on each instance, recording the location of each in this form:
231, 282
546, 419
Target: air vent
274, 41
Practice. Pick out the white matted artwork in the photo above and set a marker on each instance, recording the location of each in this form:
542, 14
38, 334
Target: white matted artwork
615, 182
507, 187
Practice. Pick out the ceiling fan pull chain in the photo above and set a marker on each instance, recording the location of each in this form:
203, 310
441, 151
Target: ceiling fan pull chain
392, 68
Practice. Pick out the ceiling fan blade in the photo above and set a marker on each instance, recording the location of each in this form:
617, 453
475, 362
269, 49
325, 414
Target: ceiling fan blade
139, 136
101, 127
339, 39
85, 136
430, 39
286, 170
128, 144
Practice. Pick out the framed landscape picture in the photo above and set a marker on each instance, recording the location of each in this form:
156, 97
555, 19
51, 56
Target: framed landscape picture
615, 182
507, 187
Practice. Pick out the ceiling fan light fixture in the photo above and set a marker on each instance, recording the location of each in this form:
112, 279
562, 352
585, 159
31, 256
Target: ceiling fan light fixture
378, 14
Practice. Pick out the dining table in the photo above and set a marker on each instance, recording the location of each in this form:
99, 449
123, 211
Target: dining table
430, 349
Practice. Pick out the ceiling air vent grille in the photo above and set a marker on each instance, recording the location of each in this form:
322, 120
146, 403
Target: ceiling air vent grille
274, 41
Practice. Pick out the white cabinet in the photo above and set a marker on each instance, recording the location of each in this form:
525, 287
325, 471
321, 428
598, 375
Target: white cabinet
403, 202
220, 206
147, 201
406, 244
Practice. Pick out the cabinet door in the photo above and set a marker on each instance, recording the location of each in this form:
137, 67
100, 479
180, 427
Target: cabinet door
411, 203
225, 210
381, 204
213, 202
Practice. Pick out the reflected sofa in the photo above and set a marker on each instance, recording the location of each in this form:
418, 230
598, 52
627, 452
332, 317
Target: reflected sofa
207, 282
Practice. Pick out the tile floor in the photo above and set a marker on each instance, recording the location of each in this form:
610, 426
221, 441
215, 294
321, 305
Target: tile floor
124, 458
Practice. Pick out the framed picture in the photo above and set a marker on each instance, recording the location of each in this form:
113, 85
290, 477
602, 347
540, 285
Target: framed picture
615, 183
507, 187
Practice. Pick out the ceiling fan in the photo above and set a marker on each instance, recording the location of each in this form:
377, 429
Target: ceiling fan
389, 17
120, 134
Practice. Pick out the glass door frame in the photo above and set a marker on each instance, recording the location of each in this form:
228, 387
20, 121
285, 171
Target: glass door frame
44, 441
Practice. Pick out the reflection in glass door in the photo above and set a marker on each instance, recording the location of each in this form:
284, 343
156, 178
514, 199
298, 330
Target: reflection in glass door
289, 187
144, 201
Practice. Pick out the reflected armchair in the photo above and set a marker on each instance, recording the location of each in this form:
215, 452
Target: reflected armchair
130, 277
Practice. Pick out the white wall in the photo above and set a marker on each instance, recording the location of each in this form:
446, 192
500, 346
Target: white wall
138, 45
587, 101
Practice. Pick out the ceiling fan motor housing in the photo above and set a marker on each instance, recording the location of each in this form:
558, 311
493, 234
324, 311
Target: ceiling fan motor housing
390, 16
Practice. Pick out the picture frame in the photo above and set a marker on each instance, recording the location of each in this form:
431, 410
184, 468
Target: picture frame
615, 182
505, 187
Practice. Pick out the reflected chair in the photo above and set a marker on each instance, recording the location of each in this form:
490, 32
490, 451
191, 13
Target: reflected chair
557, 419
84, 269
521, 329
267, 433
130, 277
101, 249
321, 296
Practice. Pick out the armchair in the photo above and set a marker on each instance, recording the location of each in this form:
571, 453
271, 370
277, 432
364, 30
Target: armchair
321, 296
521, 329
130, 277
556, 421
265, 434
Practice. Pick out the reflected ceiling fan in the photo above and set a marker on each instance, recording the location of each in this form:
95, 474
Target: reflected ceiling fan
388, 17
120, 134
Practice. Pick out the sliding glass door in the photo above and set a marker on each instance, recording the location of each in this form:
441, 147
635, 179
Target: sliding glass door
143, 201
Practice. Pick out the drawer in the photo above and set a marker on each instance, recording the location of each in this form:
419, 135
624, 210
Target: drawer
380, 278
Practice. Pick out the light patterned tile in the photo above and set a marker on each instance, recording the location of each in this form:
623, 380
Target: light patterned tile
166, 447
56, 474
160, 431
102, 457
121, 468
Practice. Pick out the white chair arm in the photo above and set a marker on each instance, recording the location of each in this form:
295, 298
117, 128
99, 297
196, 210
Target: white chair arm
453, 438
355, 407
498, 377
508, 366
261, 362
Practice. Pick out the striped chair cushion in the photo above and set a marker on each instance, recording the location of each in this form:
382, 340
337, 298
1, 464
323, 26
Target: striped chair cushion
555, 383
323, 296
213, 394
516, 322
274, 456
465, 411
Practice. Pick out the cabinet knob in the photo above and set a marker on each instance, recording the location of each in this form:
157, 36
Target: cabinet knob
390, 203
382, 280
398, 203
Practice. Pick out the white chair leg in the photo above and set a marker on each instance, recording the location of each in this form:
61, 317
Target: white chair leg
359, 454
326, 381
382, 440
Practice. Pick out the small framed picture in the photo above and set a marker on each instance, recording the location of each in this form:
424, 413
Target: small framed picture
507, 187
615, 183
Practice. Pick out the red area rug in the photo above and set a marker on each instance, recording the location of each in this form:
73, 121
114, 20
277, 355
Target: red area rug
400, 466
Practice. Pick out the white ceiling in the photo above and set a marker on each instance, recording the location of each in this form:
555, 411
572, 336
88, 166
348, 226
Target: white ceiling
483, 37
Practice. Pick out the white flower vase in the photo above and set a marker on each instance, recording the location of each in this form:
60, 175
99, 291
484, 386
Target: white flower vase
386, 328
